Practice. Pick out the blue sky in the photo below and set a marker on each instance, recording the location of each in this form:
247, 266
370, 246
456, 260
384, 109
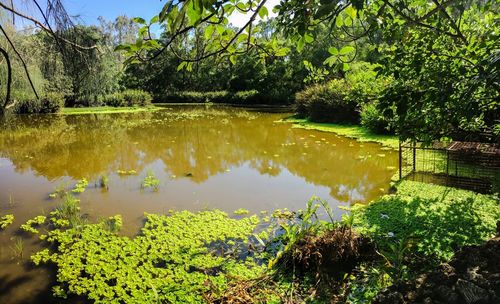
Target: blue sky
89, 10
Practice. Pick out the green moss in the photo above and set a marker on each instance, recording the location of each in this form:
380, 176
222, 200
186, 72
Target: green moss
107, 110
439, 219
352, 131
175, 259
6, 220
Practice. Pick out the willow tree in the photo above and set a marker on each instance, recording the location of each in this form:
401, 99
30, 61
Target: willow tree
54, 21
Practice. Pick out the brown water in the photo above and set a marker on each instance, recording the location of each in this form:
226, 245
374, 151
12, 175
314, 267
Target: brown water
204, 158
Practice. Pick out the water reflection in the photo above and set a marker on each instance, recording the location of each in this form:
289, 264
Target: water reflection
198, 146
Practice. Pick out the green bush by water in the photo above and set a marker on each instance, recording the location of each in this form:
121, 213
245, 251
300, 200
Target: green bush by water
127, 98
241, 97
373, 119
327, 103
49, 103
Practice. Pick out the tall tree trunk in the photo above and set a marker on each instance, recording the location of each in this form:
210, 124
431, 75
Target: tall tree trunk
9, 81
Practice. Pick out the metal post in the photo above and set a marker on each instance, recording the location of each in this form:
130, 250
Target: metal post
414, 158
400, 161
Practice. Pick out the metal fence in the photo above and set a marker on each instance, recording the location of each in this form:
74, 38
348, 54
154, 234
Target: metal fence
468, 165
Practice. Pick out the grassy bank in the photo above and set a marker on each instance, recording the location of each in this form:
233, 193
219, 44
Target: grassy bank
352, 131
107, 110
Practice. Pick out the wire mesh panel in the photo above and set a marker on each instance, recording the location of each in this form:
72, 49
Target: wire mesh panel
474, 166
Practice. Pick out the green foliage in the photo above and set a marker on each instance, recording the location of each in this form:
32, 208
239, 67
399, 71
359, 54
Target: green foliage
80, 186
439, 219
49, 103
316, 75
241, 97
136, 98
103, 181
30, 225
151, 182
366, 284
241, 211
127, 98
113, 100
113, 224
67, 214
27, 106
373, 119
171, 261
6, 220
328, 103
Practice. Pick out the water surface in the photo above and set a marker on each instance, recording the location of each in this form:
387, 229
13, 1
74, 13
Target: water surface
204, 158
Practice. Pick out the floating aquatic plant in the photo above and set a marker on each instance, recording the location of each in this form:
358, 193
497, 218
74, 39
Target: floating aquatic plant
126, 172
175, 259
59, 191
113, 223
80, 186
6, 220
151, 182
30, 225
241, 211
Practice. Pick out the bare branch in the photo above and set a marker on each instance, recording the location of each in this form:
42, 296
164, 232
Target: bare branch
45, 28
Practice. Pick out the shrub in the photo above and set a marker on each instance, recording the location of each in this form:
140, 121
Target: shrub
242, 97
113, 100
51, 102
136, 98
373, 119
246, 97
27, 106
328, 103
48, 103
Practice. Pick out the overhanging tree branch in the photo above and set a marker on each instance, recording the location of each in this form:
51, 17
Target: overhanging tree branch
22, 61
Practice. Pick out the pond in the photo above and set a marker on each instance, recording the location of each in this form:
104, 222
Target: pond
204, 158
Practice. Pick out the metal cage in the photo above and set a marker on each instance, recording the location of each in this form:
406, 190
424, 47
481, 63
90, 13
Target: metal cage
468, 165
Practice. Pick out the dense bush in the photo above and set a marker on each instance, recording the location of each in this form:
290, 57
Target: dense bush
137, 98
241, 97
48, 103
328, 102
113, 100
373, 119
51, 102
245, 97
341, 100
127, 98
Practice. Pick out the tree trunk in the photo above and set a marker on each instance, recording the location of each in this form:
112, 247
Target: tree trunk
9, 81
